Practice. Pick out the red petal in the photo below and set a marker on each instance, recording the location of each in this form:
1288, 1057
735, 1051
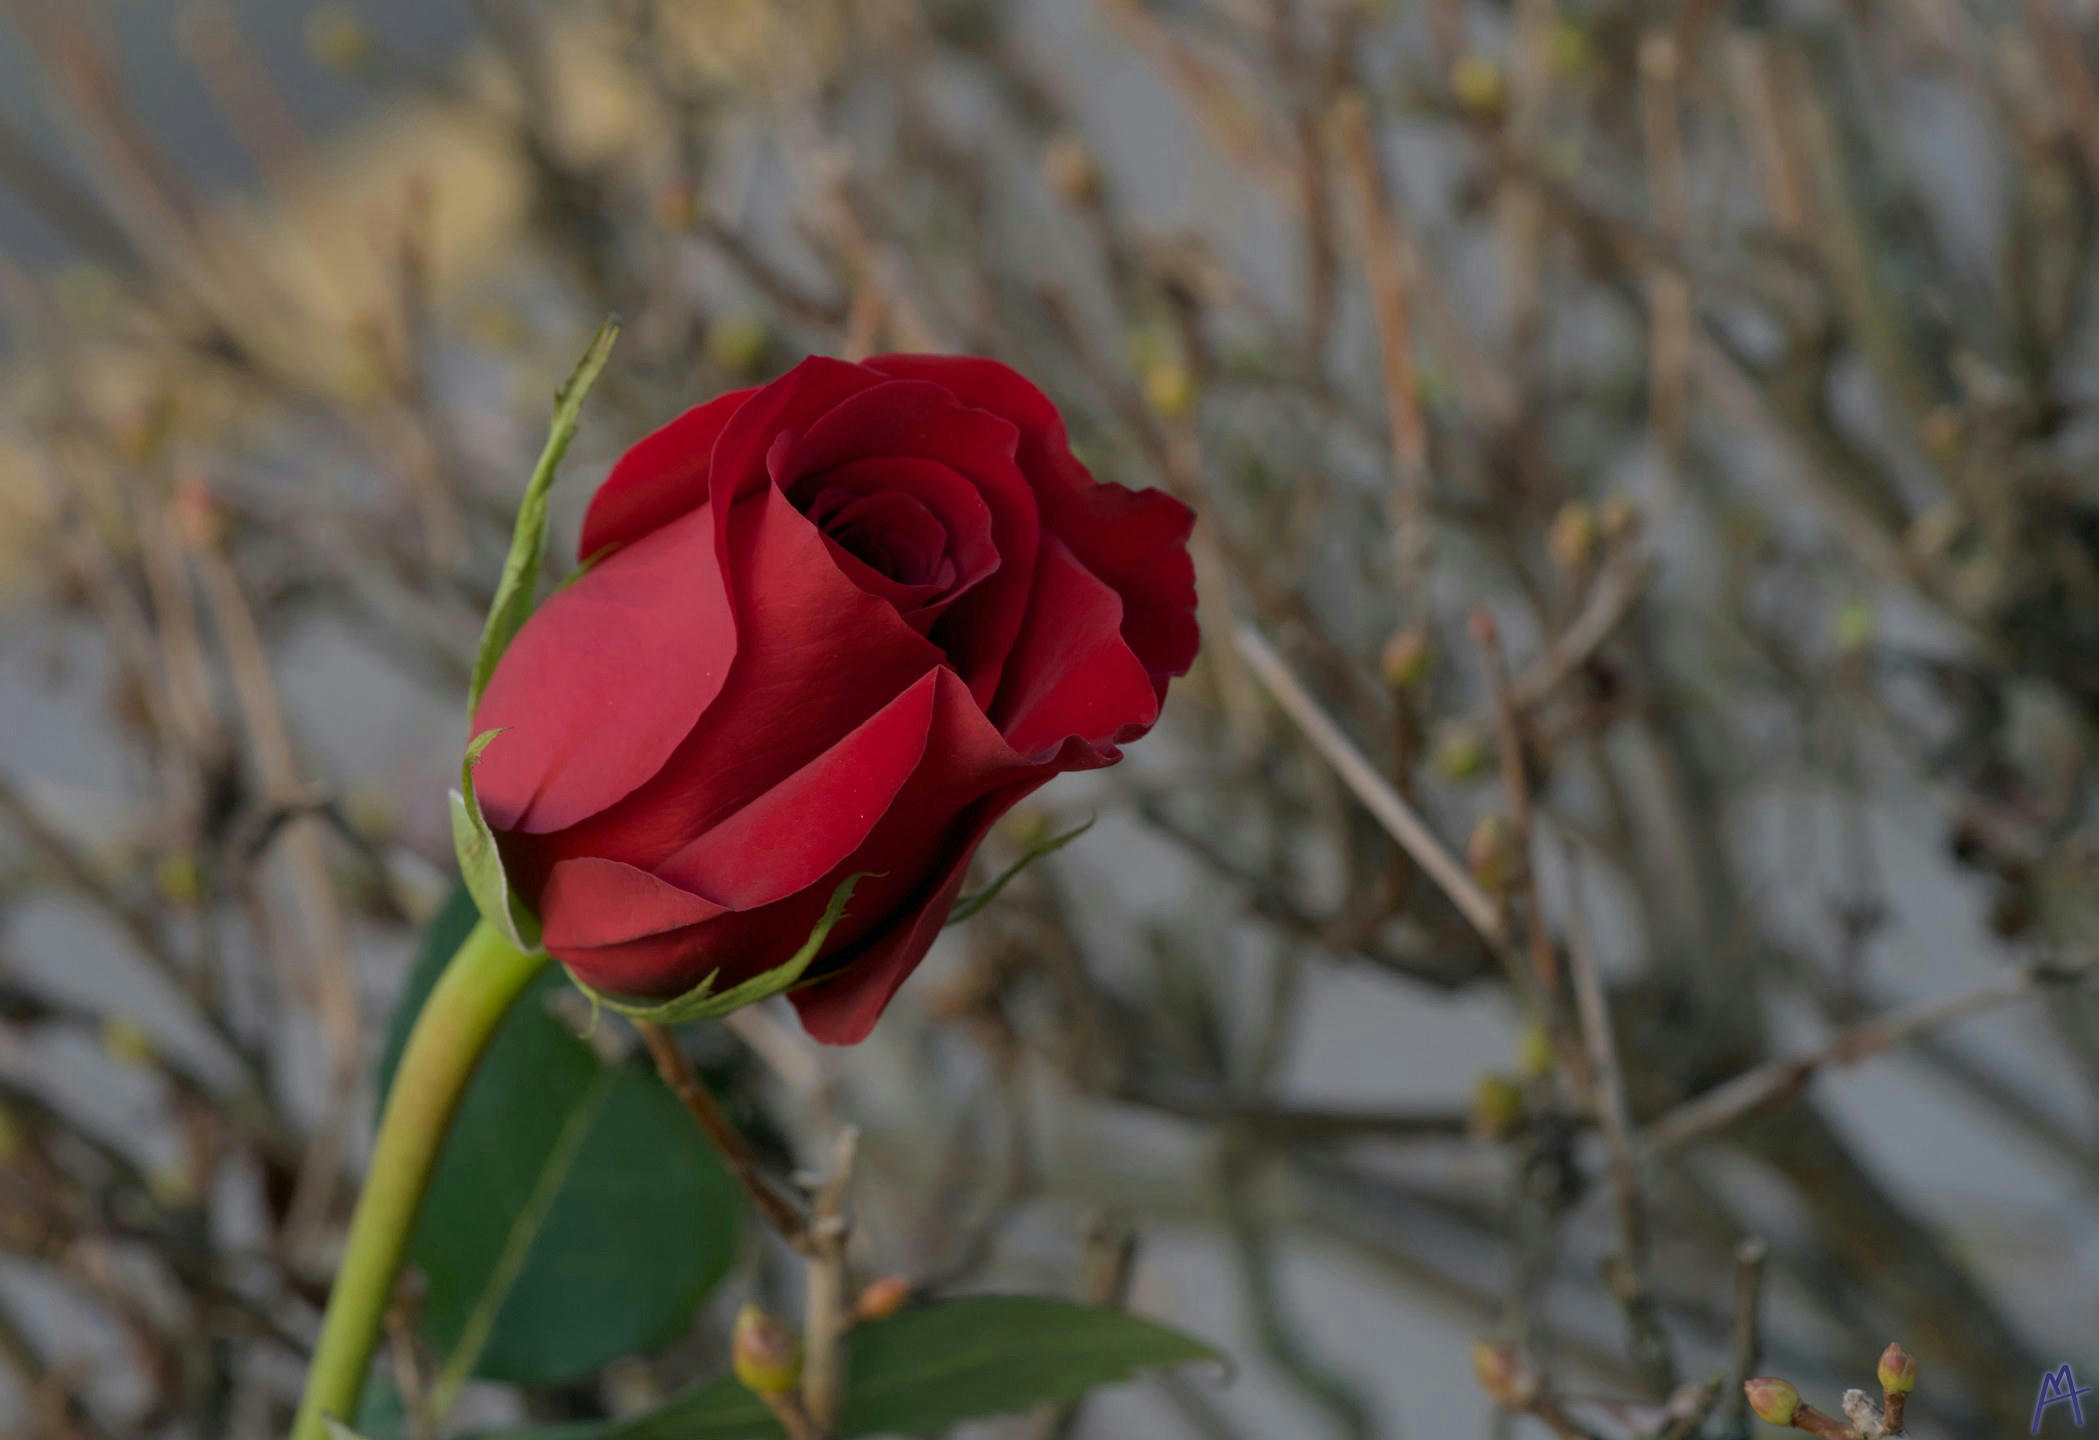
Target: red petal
816, 656
954, 499
621, 930
767, 423
843, 1009
1136, 540
657, 939
661, 477
921, 849
605, 680
795, 833
924, 420
1072, 674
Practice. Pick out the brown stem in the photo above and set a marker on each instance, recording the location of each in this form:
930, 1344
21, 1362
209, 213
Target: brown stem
777, 1209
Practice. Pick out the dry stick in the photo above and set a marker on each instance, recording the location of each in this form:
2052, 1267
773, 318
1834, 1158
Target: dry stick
2062, 52
1219, 100
787, 1409
409, 1379
1372, 789
1746, 1343
1110, 1263
827, 1315
1610, 599
1519, 199
1386, 267
1781, 1079
247, 99
1669, 289
1753, 82
1629, 1279
676, 1069
313, 892
1545, 968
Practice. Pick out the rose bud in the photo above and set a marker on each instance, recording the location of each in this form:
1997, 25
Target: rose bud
835, 627
765, 1354
1775, 1401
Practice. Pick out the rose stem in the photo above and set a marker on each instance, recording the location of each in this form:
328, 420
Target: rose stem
480, 983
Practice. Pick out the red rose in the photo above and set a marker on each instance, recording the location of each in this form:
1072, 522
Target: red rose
847, 620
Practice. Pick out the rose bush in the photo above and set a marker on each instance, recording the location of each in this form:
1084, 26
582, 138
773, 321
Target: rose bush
834, 625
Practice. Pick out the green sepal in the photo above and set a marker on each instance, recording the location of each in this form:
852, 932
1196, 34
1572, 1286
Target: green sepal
969, 905
701, 1003
519, 585
481, 864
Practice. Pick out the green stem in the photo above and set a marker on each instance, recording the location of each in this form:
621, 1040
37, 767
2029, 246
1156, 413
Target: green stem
485, 977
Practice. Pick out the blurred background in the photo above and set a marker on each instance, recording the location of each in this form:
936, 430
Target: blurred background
1736, 362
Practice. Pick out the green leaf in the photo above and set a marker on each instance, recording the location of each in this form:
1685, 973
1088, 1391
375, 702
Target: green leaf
518, 587
577, 1214
969, 905
482, 864
926, 1369
701, 1003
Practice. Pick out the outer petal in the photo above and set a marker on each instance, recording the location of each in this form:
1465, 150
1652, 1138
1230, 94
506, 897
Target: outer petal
792, 835
605, 680
970, 777
651, 941
1136, 540
1072, 673
618, 928
842, 1009
660, 478
630, 932
816, 656
925, 420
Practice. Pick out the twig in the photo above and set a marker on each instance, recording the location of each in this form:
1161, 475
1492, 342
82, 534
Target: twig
1746, 1339
1301, 1125
793, 1418
829, 1311
1110, 1260
326, 947
1515, 781
1280, 1339
1781, 1079
1669, 289
1386, 265
1620, 583
1628, 1277
1372, 789
775, 1206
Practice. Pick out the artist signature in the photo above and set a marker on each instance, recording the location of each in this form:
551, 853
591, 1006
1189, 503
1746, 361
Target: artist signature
2059, 1387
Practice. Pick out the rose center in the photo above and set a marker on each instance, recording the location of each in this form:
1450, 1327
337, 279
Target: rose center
889, 532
